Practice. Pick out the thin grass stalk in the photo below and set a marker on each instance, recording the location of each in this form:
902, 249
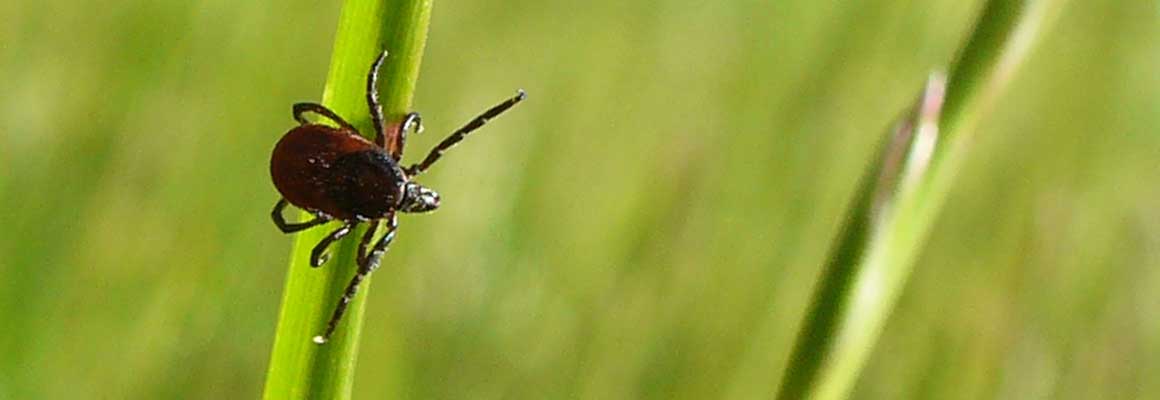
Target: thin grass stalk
299, 368
899, 199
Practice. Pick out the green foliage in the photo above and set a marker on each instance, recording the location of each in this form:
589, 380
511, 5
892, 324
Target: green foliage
650, 224
298, 367
900, 198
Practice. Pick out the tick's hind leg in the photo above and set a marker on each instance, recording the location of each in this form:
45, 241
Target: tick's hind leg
303, 108
295, 227
367, 263
318, 256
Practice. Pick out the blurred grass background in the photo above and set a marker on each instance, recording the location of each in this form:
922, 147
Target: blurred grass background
648, 225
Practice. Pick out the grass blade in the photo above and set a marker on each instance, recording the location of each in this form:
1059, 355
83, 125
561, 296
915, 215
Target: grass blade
899, 200
298, 367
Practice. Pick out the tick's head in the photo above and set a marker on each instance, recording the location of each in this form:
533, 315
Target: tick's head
418, 199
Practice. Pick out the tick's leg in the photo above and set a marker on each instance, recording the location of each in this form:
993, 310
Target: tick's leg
411, 123
371, 260
318, 256
373, 98
366, 241
302, 108
295, 227
369, 264
458, 135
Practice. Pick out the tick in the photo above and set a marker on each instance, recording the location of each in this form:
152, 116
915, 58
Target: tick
336, 174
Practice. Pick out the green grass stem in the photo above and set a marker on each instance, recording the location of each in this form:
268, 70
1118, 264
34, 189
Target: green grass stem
899, 199
300, 369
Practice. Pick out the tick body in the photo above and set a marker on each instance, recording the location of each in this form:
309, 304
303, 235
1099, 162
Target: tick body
336, 174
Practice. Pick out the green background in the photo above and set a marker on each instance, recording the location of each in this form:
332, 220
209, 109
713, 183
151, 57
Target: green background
649, 224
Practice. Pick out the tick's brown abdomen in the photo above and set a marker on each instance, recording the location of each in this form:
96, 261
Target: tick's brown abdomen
338, 173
